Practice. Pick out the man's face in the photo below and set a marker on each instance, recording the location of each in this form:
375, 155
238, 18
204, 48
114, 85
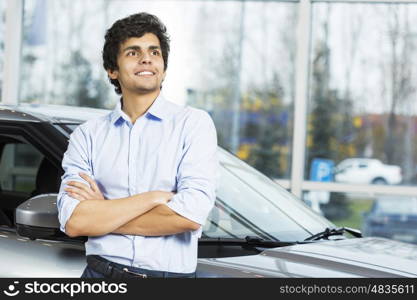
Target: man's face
141, 65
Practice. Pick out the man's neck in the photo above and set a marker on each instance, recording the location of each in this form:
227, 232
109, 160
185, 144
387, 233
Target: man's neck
136, 105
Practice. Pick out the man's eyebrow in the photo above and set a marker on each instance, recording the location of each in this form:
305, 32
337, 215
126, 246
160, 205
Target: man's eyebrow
134, 47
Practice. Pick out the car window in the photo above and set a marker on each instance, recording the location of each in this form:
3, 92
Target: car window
18, 167
25, 172
397, 206
343, 166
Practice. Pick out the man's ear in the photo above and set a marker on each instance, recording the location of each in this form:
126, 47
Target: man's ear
113, 74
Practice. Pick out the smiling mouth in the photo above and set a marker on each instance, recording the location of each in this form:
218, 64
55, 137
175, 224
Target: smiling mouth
144, 73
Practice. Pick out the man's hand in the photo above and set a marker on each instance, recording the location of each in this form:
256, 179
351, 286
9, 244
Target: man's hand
81, 191
96, 217
159, 197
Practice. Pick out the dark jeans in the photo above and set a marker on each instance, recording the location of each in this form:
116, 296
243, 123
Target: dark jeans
91, 273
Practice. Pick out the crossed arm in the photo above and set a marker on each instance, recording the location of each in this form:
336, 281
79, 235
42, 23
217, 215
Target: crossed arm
141, 214
85, 212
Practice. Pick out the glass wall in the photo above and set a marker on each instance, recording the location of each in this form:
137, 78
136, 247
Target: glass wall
362, 115
234, 59
393, 217
362, 93
61, 60
2, 34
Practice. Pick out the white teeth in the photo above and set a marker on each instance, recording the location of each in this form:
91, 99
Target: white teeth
144, 73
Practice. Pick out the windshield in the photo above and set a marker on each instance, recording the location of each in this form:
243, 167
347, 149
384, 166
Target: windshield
250, 204
71, 126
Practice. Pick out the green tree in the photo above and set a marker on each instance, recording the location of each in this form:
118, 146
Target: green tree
326, 106
271, 131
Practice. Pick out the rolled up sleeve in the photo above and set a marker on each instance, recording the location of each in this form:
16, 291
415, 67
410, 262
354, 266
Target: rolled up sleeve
198, 170
76, 160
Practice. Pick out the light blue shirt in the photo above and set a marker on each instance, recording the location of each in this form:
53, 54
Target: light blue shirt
169, 148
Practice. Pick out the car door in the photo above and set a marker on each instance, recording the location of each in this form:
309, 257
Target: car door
30, 166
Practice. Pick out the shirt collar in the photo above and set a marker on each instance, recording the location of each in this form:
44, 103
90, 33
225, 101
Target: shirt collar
158, 109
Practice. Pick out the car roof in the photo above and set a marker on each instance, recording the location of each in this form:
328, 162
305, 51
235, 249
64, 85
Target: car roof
358, 160
49, 113
66, 114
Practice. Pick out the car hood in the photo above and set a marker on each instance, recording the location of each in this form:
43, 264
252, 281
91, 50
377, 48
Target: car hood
359, 257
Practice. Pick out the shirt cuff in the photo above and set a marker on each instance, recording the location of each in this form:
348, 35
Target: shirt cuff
66, 210
194, 211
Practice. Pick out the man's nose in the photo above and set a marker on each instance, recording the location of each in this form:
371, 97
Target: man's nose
145, 59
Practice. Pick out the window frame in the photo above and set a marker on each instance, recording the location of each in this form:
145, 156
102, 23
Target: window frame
33, 133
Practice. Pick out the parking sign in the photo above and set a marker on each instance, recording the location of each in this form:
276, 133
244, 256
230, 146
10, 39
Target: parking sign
321, 170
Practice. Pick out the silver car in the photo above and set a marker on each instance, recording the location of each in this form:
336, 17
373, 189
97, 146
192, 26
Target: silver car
256, 229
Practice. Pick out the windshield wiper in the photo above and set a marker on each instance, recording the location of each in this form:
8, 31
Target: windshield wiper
334, 231
248, 241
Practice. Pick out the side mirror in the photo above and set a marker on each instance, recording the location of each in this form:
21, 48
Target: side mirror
38, 217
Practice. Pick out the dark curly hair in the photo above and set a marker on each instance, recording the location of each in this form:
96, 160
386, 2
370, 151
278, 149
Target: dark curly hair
135, 25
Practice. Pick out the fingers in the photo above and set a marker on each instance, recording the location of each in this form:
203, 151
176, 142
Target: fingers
93, 186
80, 189
168, 196
92, 182
86, 191
75, 194
78, 185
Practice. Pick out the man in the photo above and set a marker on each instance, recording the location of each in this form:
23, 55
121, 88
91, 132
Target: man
140, 181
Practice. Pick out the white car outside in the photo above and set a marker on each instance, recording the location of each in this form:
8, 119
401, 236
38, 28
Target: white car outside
367, 171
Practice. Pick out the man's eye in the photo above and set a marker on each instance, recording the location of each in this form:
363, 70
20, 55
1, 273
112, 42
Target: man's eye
155, 52
131, 53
